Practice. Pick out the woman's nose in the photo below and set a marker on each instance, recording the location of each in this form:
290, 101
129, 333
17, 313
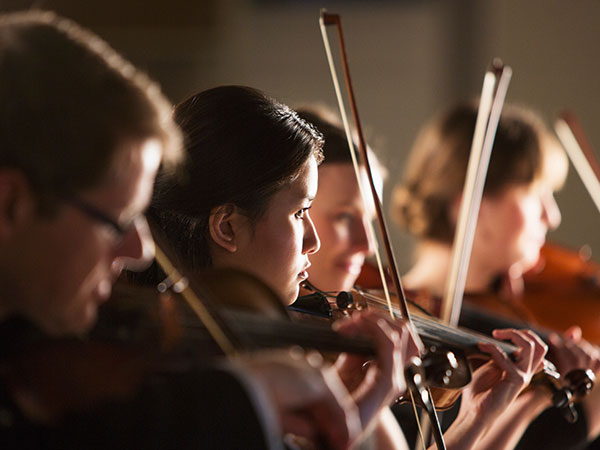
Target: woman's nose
311, 242
550, 210
361, 238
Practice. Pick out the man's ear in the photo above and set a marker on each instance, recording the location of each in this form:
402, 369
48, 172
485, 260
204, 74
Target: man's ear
222, 226
17, 201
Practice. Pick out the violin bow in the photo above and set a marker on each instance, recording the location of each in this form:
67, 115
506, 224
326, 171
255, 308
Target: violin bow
493, 94
571, 135
327, 19
491, 101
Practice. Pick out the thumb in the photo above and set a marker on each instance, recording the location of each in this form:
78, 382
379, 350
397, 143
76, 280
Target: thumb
573, 333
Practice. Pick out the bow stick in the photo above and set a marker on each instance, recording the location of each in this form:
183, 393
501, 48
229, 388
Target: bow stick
580, 153
495, 86
325, 20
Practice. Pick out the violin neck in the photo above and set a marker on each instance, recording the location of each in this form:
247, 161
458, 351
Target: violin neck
435, 333
258, 332
486, 322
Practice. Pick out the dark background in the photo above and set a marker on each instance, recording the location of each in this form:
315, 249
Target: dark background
408, 59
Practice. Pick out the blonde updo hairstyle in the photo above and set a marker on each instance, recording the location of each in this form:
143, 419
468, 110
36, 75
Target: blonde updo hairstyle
524, 151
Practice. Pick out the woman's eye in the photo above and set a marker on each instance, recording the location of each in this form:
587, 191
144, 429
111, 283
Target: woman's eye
300, 214
345, 217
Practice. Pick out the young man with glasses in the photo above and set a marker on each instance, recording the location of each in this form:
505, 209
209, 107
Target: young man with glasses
77, 122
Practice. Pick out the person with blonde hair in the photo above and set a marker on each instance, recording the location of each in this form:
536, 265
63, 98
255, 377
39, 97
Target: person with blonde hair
518, 209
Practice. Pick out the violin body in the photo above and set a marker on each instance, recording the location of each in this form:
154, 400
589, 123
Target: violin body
139, 334
50, 378
477, 315
450, 353
562, 291
97, 394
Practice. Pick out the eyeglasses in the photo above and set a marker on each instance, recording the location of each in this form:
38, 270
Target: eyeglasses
118, 232
94, 213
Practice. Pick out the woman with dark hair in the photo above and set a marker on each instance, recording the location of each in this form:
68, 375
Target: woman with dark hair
517, 210
250, 179
243, 202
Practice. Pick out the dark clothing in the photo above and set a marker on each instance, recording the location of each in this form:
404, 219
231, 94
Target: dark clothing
550, 430
198, 407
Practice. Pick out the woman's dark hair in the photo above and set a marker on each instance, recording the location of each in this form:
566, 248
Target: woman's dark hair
335, 149
523, 152
242, 147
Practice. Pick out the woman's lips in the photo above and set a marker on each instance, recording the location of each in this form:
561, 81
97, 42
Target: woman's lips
304, 274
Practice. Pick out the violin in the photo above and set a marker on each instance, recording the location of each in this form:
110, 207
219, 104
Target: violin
560, 278
561, 291
456, 349
140, 332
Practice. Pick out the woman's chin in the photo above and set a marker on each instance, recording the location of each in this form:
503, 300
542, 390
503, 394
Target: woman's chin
524, 265
291, 296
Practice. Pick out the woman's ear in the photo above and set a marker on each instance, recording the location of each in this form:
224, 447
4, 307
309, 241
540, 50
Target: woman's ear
222, 226
16, 201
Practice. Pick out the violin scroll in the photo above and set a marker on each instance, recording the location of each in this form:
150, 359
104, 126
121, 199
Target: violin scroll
577, 384
581, 381
444, 369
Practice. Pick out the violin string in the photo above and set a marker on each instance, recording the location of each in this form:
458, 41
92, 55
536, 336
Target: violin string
435, 330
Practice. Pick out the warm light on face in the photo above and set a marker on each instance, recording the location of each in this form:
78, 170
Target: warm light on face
342, 219
149, 160
86, 241
276, 247
513, 224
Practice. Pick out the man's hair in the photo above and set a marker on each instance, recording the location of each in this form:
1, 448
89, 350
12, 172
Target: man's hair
69, 104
